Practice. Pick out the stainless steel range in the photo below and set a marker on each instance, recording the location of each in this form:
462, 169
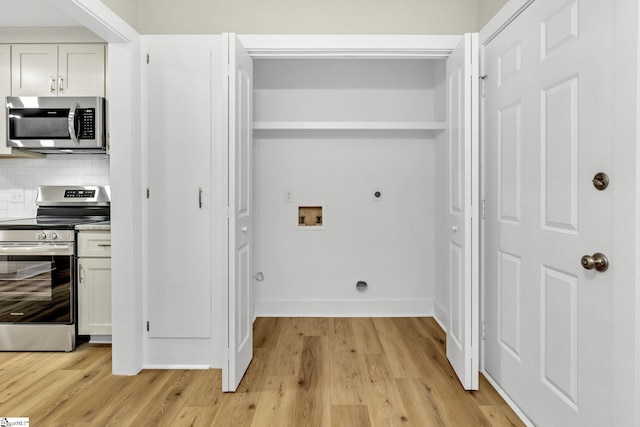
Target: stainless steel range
38, 285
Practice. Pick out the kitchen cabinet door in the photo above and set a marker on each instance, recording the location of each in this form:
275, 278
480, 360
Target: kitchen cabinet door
5, 90
34, 70
81, 70
58, 70
94, 296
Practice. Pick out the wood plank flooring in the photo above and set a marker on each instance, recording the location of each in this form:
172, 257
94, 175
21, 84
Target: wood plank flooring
334, 372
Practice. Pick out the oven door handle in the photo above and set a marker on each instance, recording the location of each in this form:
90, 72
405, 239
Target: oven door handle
45, 249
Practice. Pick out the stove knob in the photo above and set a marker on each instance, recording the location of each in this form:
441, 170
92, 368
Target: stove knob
42, 236
54, 236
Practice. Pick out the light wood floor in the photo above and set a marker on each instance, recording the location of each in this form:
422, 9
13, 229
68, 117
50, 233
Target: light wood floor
352, 372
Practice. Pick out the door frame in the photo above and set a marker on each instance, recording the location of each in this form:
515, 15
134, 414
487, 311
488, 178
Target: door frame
341, 46
626, 271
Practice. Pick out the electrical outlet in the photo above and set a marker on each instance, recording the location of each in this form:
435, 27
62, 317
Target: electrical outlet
17, 195
288, 196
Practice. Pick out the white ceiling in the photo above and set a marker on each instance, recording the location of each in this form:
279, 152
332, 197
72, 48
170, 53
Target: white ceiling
33, 13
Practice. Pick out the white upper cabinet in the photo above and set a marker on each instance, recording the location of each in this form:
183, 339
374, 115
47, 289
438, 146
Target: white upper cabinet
58, 70
5, 90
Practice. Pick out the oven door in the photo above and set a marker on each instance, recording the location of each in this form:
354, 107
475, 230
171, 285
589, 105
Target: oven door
36, 283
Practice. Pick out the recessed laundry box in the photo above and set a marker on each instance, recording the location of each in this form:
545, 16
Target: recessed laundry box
310, 216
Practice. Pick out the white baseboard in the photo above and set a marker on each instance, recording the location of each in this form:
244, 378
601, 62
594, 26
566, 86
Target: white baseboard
100, 339
507, 399
177, 367
440, 316
345, 308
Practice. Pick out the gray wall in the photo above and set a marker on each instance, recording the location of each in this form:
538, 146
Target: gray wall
486, 10
306, 16
129, 10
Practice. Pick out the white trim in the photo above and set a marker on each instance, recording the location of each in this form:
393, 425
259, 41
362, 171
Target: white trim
500, 20
177, 367
100, 19
48, 35
335, 46
100, 339
419, 307
437, 316
507, 399
123, 93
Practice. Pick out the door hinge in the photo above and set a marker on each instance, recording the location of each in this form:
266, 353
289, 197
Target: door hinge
147, 58
482, 84
147, 193
484, 330
483, 209
147, 326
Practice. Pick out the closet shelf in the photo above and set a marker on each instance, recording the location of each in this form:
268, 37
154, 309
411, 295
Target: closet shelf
271, 125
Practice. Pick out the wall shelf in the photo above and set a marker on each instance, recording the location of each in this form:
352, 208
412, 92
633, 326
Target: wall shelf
322, 125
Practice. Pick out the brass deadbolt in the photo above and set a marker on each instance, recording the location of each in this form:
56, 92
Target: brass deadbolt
600, 181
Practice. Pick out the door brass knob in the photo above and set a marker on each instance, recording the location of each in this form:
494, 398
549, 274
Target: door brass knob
601, 181
597, 261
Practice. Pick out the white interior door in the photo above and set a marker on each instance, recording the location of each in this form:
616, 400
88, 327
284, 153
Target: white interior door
240, 125
462, 112
179, 192
549, 120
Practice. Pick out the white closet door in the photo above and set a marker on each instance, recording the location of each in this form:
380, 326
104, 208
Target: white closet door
240, 143
549, 121
180, 114
462, 112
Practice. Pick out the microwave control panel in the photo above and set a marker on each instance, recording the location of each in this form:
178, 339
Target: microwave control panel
87, 123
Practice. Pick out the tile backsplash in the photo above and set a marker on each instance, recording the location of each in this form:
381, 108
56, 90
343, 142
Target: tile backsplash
20, 178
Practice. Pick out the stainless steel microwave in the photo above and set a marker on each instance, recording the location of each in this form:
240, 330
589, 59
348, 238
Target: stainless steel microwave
56, 124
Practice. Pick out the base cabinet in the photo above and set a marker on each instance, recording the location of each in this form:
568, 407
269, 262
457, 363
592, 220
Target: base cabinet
94, 283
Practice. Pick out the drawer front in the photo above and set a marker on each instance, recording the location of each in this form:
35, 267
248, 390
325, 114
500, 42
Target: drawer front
94, 244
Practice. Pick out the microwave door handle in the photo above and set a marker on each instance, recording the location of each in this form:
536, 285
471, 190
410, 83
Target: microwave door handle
71, 122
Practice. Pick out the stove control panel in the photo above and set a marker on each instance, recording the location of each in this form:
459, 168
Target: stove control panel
58, 235
79, 194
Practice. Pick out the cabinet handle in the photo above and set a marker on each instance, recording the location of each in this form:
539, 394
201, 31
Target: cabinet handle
200, 198
60, 84
53, 85
104, 245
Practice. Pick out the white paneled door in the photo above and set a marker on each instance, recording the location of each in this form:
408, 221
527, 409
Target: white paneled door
549, 112
179, 192
240, 141
463, 276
